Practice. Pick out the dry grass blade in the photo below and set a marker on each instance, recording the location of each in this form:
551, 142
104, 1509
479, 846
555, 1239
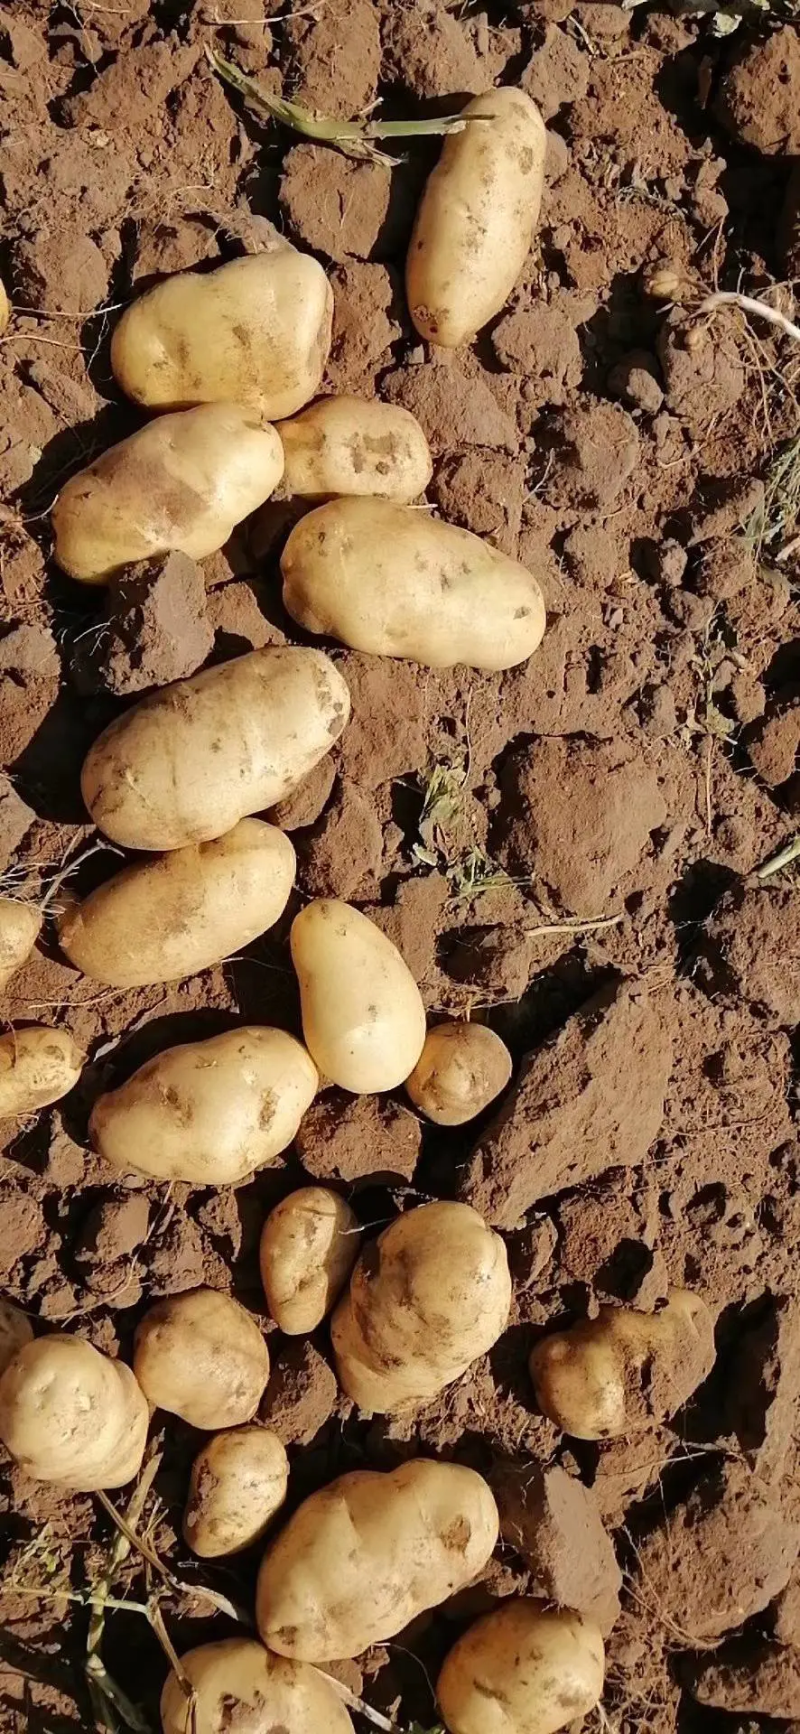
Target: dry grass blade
108, 1699
779, 512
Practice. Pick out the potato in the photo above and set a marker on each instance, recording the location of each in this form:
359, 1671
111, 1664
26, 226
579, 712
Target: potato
15, 1331
256, 331
391, 581
5, 308
187, 763
624, 1370
238, 1482
363, 1018
366, 1555
425, 1300
476, 218
461, 1069
70, 1415
38, 1066
309, 1244
208, 1112
181, 483
524, 1669
174, 915
238, 1685
201, 1356
20, 926
353, 445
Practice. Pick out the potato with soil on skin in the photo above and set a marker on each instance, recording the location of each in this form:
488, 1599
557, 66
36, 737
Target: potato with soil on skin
70, 1415
237, 1684
392, 581
181, 483
15, 1331
363, 1017
38, 1066
187, 763
461, 1069
426, 1299
475, 223
178, 913
201, 1356
351, 445
20, 926
524, 1669
309, 1244
238, 1483
367, 1554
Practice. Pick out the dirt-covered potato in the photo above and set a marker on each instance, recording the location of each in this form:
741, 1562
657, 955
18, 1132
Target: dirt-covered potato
392, 581
187, 763
476, 219
201, 1356
309, 1244
367, 1554
425, 1300
355, 445
180, 483
70, 1415
624, 1370
237, 1484
461, 1069
37, 1066
524, 1669
241, 1688
15, 1331
363, 1017
178, 913
20, 926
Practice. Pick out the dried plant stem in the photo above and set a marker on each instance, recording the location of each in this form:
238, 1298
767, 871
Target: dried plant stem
784, 858
353, 1703
107, 1697
574, 926
749, 304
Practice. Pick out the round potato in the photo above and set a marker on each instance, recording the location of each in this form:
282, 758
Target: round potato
367, 1554
201, 1356
524, 1669
461, 1069
181, 483
70, 1415
237, 1484
476, 219
363, 1018
15, 1331
20, 926
187, 763
237, 1684
181, 912
391, 581
37, 1066
430, 1296
355, 445
309, 1244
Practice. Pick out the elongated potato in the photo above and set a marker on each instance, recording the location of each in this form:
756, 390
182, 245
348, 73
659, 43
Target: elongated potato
70, 1415
187, 763
524, 1669
238, 1685
461, 1069
178, 913
363, 1018
15, 1331
365, 1555
309, 1244
20, 926
37, 1066
354, 445
391, 581
201, 1356
238, 1483
5, 308
181, 483
476, 219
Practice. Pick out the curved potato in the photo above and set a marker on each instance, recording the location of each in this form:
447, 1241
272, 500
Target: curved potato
183, 482
461, 1069
70, 1415
238, 1483
237, 1684
5, 308
354, 445
15, 1331
309, 1244
20, 926
184, 765
363, 1018
524, 1669
476, 218
179, 913
201, 1356
38, 1066
389, 580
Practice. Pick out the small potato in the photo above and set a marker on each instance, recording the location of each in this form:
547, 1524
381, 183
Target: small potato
354, 445
181, 912
15, 1331
5, 308
309, 1244
201, 1356
367, 1554
237, 1484
425, 1300
461, 1069
476, 219
524, 1669
37, 1066
363, 1018
391, 581
241, 1688
20, 926
181, 483
187, 763
70, 1415
209, 1112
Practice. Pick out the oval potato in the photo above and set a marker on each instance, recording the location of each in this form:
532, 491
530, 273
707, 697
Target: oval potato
363, 1017
391, 581
238, 1483
354, 445
524, 1669
20, 926
237, 1684
309, 1244
37, 1066
201, 1356
70, 1415
5, 308
15, 1331
461, 1069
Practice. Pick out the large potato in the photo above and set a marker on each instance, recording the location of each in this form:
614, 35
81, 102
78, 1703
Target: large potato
425, 1300
184, 765
392, 581
237, 1685
363, 1018
256, 331
15, 1331
354, 445
461, 1069
20, 926
37, 1066
238, 1483
524, 1669
476, 218
181, 483
309, 1244
178, 913
365, 1555
70, 1415
201, 1356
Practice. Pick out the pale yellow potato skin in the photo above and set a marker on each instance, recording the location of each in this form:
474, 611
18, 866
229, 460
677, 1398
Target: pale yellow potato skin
524, 1669
461, 1069
5, 309
355, 445
476, 218
70, 1415
38, 1066
430, 1297
208, 1112
238, 1483
20, 926
392, 581
309, 1244
181, 483
240, 1685
201, 1356
256, 331
15, 1331
363, 1017
370, 1552
184, 765
178, 913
